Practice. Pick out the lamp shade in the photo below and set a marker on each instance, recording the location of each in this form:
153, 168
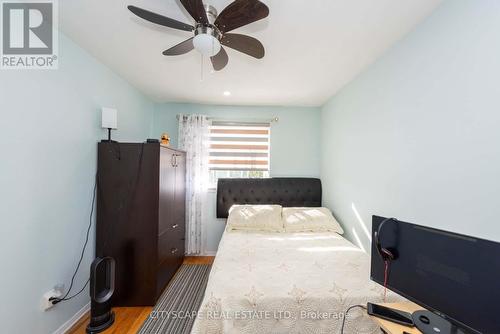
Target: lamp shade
206, 44
109, 118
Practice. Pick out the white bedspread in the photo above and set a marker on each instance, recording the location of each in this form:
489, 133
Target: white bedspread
288, 283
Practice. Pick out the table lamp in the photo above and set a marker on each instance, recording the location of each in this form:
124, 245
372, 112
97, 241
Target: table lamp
109, 120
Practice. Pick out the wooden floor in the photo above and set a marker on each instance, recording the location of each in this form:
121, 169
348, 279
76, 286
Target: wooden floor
128, 320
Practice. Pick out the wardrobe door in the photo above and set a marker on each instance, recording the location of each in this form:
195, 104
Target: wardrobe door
166, 260
180, 205
167, 190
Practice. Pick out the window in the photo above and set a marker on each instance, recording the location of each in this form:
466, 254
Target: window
239, 150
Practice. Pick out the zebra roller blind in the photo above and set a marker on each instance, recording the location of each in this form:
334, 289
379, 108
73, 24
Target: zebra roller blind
239, 146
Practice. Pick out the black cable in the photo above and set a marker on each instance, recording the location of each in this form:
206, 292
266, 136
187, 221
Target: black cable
55, 300
76, 294
345, 316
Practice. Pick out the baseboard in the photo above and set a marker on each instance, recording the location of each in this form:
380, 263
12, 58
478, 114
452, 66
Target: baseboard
208, 253
74, 319
205, 253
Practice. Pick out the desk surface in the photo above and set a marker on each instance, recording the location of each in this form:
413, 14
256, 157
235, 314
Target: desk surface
393, 328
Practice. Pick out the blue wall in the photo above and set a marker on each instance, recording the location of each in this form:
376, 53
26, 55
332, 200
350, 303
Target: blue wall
295, 144
50, 124
417, 136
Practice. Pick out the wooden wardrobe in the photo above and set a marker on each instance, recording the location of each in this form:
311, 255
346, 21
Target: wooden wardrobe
141, 217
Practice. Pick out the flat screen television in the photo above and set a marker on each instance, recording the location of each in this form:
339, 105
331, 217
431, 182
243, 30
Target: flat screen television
456, 277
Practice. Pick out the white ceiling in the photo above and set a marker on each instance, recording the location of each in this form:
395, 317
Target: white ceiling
313, 48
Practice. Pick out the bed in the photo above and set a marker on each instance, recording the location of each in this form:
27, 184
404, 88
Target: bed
268, 282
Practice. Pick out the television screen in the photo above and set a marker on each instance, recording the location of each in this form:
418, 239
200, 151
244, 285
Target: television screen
452, 275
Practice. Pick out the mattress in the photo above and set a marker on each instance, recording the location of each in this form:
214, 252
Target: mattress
288, 283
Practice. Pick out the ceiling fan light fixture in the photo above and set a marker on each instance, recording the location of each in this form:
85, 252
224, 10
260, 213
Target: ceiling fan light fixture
206, 44
212, 30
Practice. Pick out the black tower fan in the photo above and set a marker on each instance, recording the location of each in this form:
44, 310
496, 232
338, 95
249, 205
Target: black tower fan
102, 286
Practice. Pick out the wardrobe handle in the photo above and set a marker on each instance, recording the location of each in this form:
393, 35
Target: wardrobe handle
173, 250
172, 160
175, 226
176, 164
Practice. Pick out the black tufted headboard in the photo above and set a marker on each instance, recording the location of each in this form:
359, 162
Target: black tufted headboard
285, 191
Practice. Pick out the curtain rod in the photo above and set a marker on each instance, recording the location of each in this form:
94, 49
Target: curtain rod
270, 120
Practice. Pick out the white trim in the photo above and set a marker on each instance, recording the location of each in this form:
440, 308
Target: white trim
208, 253
202, 254
73, 320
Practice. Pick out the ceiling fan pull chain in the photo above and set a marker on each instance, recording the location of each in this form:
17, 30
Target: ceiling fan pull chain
201, 72
213, 52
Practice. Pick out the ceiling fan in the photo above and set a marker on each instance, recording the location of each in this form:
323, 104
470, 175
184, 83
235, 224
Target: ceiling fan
211, 31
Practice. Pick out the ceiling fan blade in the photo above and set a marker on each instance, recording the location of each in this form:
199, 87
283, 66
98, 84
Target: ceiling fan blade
196, 9
240, 13
220, 60
180, 49
243, 43
160, 19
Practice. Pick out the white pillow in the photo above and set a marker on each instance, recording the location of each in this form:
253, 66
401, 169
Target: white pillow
255, 218
310, 220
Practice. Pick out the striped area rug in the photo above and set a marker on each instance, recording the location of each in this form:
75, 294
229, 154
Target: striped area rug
184, 293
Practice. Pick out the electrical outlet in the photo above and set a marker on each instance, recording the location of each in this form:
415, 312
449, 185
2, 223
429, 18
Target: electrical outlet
56, 292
